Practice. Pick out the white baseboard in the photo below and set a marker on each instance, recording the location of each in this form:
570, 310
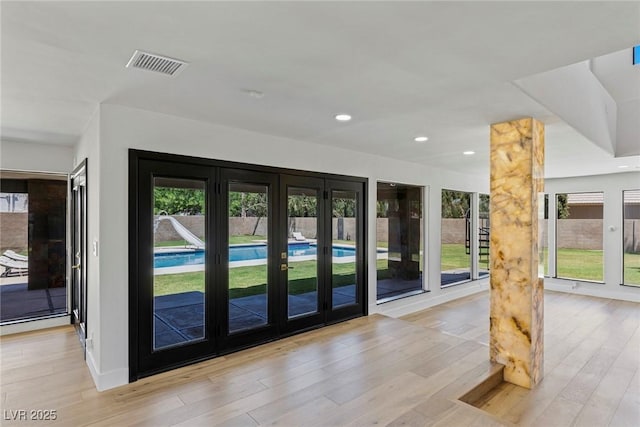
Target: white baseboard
624, 293
107, 380
404, 306
34, 325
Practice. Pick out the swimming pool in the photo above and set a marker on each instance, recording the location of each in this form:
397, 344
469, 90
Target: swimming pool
242, 253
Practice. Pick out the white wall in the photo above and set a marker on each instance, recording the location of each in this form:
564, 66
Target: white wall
120, 128
89, 148
32, 157
612, 186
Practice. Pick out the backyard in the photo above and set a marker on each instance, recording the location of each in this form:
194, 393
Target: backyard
249, 280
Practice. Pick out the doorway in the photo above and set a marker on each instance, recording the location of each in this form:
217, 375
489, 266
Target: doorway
33, 236
78, 253
226, 255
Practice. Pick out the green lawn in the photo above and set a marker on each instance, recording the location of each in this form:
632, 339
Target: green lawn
453, 256
251, 280
579, 264
572, 263
632, 269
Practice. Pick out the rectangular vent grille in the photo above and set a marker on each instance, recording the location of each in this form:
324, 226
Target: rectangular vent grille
157, 63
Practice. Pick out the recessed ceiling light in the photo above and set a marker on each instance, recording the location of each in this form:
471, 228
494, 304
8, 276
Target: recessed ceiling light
623, 166
421, 139
469, 153
254, 93
343, 117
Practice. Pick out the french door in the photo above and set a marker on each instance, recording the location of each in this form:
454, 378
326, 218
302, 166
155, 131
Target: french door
79, 251
322, 270
227, 256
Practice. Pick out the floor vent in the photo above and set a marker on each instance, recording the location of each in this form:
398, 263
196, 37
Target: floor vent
157, 63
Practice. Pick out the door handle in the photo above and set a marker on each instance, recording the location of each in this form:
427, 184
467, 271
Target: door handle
285, 267
75, 267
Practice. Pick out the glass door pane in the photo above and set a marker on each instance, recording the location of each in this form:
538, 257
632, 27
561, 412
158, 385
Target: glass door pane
248, 256
344, 238
178, 261
455, 251
302, 251
631, 237
398, 241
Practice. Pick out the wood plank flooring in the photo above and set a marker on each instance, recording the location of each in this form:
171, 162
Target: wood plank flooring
373, 370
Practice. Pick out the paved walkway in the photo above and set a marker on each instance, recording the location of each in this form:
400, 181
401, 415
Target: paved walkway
180, 317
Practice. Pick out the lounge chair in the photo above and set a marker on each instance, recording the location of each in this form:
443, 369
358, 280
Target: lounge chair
13, 267
298, 236
15, 256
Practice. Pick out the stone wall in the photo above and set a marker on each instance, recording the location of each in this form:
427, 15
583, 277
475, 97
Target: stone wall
14, 231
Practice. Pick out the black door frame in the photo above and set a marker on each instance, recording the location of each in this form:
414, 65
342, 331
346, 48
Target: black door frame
269, 331
350, 310
150, 360
303, 322
143, 165
78, 257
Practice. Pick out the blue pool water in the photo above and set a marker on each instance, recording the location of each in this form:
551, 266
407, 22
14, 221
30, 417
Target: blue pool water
241, 253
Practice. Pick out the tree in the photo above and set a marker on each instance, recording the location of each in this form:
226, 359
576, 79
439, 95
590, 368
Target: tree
178, 201
344, 208
455, 204
562, 206
302, 206
244, 204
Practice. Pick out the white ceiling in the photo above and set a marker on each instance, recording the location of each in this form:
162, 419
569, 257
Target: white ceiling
442, 69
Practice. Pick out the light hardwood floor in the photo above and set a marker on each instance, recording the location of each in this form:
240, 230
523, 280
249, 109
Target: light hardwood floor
374, 370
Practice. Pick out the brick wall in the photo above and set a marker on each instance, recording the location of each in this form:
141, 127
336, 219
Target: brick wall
13, 231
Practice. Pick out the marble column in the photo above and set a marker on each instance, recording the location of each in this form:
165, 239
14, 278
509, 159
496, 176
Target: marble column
517, 186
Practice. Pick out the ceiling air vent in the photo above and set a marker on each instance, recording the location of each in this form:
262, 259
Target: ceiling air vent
158, 63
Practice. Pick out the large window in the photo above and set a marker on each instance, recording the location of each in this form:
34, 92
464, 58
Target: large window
455, 258
579, 236
33, 231
399, 240
631, 241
